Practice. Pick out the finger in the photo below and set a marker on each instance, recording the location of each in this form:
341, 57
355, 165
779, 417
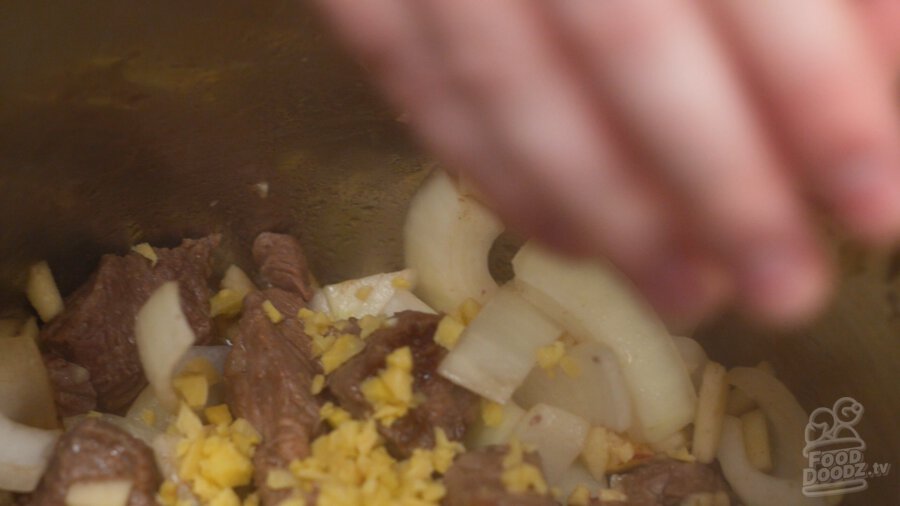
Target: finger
502, 60
391, 43
833, 101
659, 66
883, 19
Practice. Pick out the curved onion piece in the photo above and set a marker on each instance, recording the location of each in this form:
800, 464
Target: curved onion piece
694, 357
593, 301
597, 393
163, 336
448, 238
787, 417
24, 453
752, 486
404, 300
498, 348
42, 292
25, 392
557, 435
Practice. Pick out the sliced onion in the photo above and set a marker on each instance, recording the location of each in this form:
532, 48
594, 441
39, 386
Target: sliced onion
356, 298
404, 300
752, 486
448, 238
236, 280
319, 303
593, 301
24, 453
597, 393
163, 337
498, 348
26, 395
578, 476
694, 357
557, 435
481, 435
787, 417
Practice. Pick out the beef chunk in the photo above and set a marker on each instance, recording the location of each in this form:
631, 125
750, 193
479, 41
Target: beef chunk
282, 264
72, 389
96, 331
95, 451
475, 480
444, 404
269, 374
666, 482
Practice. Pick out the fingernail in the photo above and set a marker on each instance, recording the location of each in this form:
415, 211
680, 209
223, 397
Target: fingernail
784, 283
866, 194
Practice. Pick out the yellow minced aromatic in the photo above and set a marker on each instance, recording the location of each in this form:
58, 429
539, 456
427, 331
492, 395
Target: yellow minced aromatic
569, 367
368, 324
351, 466
581, 496
148, 416
362, 293
341, 350
318, 384
391, 392
212, 460
400, 283
550, 356
468, 310
519, 476
193, 388
491, 413
145, 250
272, 312
226, 302
448, 332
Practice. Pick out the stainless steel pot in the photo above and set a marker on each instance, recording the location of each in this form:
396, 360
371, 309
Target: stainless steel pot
125, 121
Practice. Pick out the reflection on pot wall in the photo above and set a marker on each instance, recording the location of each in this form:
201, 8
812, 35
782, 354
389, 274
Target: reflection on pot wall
125, 122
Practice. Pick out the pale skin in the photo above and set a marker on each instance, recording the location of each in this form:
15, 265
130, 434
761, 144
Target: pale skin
689, 141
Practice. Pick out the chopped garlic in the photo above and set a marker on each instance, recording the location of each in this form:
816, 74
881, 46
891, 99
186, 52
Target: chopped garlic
343, 349
549, 356
581, 496
318, 384
468, 310
272, 312
448, 332
519, 476
218, 415
193, 388
570, 367
491, 413
391, 392
401, 283
145, 250
148, 416
226, 302
362, 293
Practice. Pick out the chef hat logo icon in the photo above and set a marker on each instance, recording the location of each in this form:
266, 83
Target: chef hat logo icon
834, 428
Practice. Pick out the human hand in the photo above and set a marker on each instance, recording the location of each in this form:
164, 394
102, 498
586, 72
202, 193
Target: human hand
685, 140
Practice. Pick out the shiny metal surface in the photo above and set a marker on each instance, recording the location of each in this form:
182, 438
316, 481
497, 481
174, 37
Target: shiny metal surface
125, 121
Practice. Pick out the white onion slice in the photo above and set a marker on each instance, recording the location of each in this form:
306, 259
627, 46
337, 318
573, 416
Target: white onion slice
448, 238
557, 435
593, 301
694, 357
597, 393
752, 486
163, 336
24, 453
498, 348
319, 303
356, 298
236, 280
26, 395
